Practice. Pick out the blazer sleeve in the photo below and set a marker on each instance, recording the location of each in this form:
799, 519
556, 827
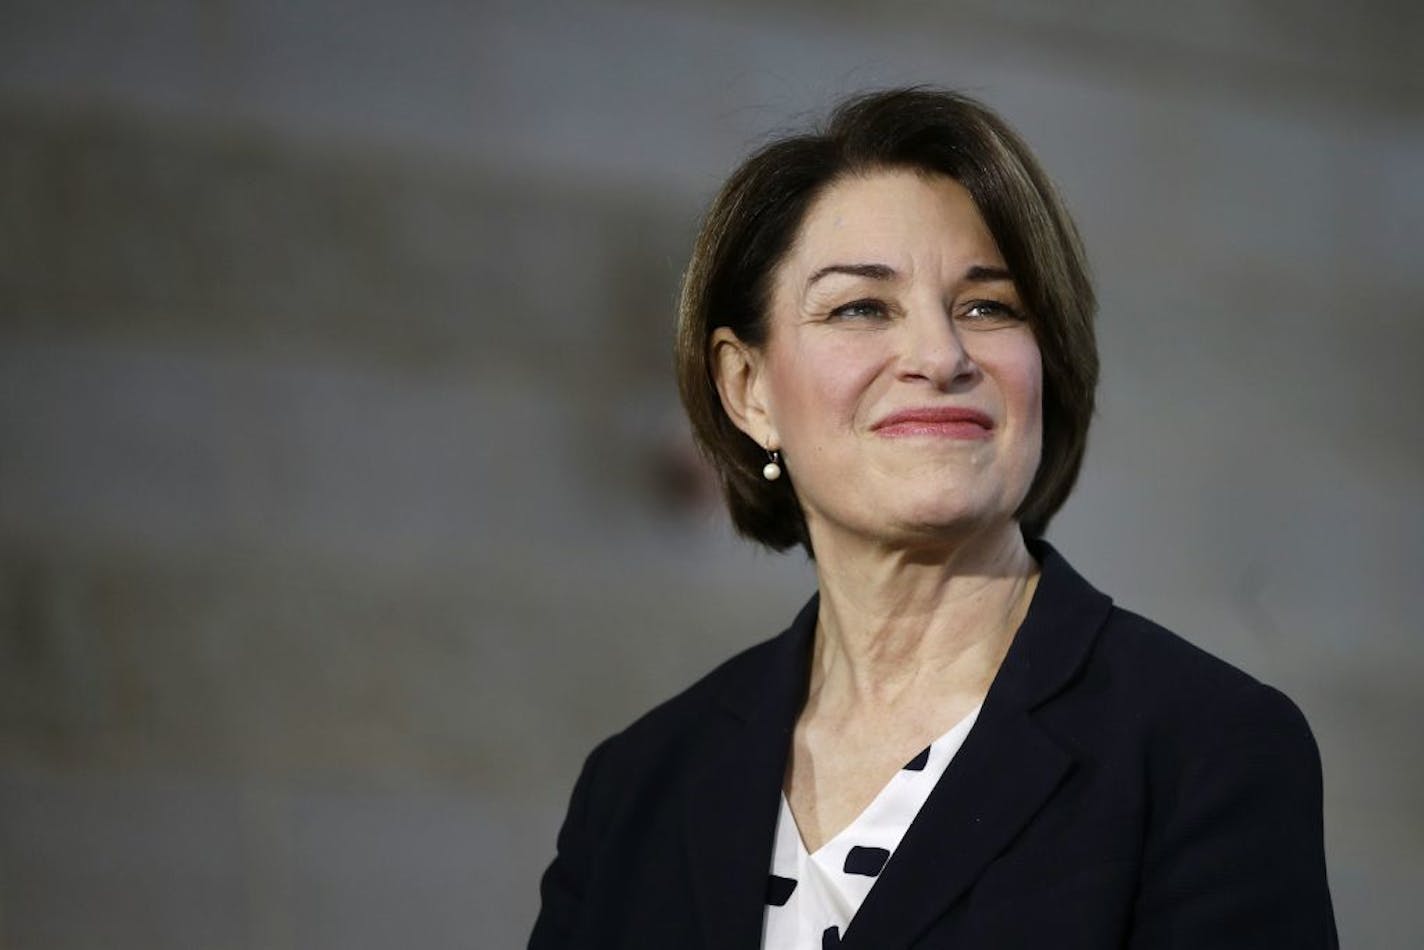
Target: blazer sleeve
1236, 856
565, 882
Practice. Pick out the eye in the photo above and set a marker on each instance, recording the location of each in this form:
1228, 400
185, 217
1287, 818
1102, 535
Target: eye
991, 312
860, 310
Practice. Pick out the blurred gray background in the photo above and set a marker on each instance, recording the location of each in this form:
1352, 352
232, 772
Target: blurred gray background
344, 497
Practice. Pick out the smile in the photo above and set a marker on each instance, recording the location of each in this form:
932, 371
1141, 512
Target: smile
944, 423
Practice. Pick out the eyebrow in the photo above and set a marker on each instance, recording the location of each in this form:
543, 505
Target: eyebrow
979, 273
872, 271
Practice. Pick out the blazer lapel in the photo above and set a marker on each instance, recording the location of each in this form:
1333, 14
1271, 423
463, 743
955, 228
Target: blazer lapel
994, 786
735, 798
1002, 775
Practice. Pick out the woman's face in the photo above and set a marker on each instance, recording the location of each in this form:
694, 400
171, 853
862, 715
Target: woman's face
900, 378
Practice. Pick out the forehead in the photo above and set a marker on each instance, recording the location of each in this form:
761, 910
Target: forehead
896, 217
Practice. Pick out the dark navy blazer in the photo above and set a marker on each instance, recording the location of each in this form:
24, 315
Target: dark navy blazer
1120, 788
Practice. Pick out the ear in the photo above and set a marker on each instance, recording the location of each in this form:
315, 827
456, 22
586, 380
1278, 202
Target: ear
739, 372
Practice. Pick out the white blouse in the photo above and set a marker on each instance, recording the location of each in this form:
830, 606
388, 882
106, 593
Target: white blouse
811, 898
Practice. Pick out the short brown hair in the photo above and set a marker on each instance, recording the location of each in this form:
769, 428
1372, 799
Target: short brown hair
754, 219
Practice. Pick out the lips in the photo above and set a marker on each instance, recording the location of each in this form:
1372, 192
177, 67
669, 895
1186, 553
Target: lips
944, 422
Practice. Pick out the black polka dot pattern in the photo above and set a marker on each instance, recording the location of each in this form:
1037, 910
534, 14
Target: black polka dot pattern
821, 891
778, 890
918, 763
867, 861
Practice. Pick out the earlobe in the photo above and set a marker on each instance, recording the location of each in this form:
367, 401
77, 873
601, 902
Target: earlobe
737, 368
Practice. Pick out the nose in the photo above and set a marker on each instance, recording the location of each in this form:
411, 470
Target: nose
932, 349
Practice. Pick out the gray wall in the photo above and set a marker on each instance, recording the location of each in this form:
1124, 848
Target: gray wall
344, 497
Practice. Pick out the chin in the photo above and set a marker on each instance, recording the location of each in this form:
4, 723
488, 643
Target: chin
953, 518
948, 525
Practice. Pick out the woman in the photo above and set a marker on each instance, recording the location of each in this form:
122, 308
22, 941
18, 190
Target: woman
886, 348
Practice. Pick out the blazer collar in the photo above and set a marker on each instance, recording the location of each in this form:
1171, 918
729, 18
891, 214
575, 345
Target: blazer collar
735, 797
1056, 635
1006, 769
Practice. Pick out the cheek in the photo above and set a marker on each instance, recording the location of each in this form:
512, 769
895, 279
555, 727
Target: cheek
1033, 390
1016, 367
1019, 370
816, 387
1026, 396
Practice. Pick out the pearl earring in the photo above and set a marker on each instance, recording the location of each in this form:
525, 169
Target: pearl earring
771, 471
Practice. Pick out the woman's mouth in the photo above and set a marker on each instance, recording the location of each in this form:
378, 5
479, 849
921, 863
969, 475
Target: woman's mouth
946, 422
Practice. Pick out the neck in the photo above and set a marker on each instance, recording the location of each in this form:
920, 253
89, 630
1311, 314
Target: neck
900, 625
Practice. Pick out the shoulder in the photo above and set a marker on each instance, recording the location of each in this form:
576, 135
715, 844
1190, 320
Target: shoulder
1190, 705
1230, 775
1114, 674
626, 815
1156, 662
673, 714
675, 727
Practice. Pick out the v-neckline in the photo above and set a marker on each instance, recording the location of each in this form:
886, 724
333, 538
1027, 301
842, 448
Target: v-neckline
789, 814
